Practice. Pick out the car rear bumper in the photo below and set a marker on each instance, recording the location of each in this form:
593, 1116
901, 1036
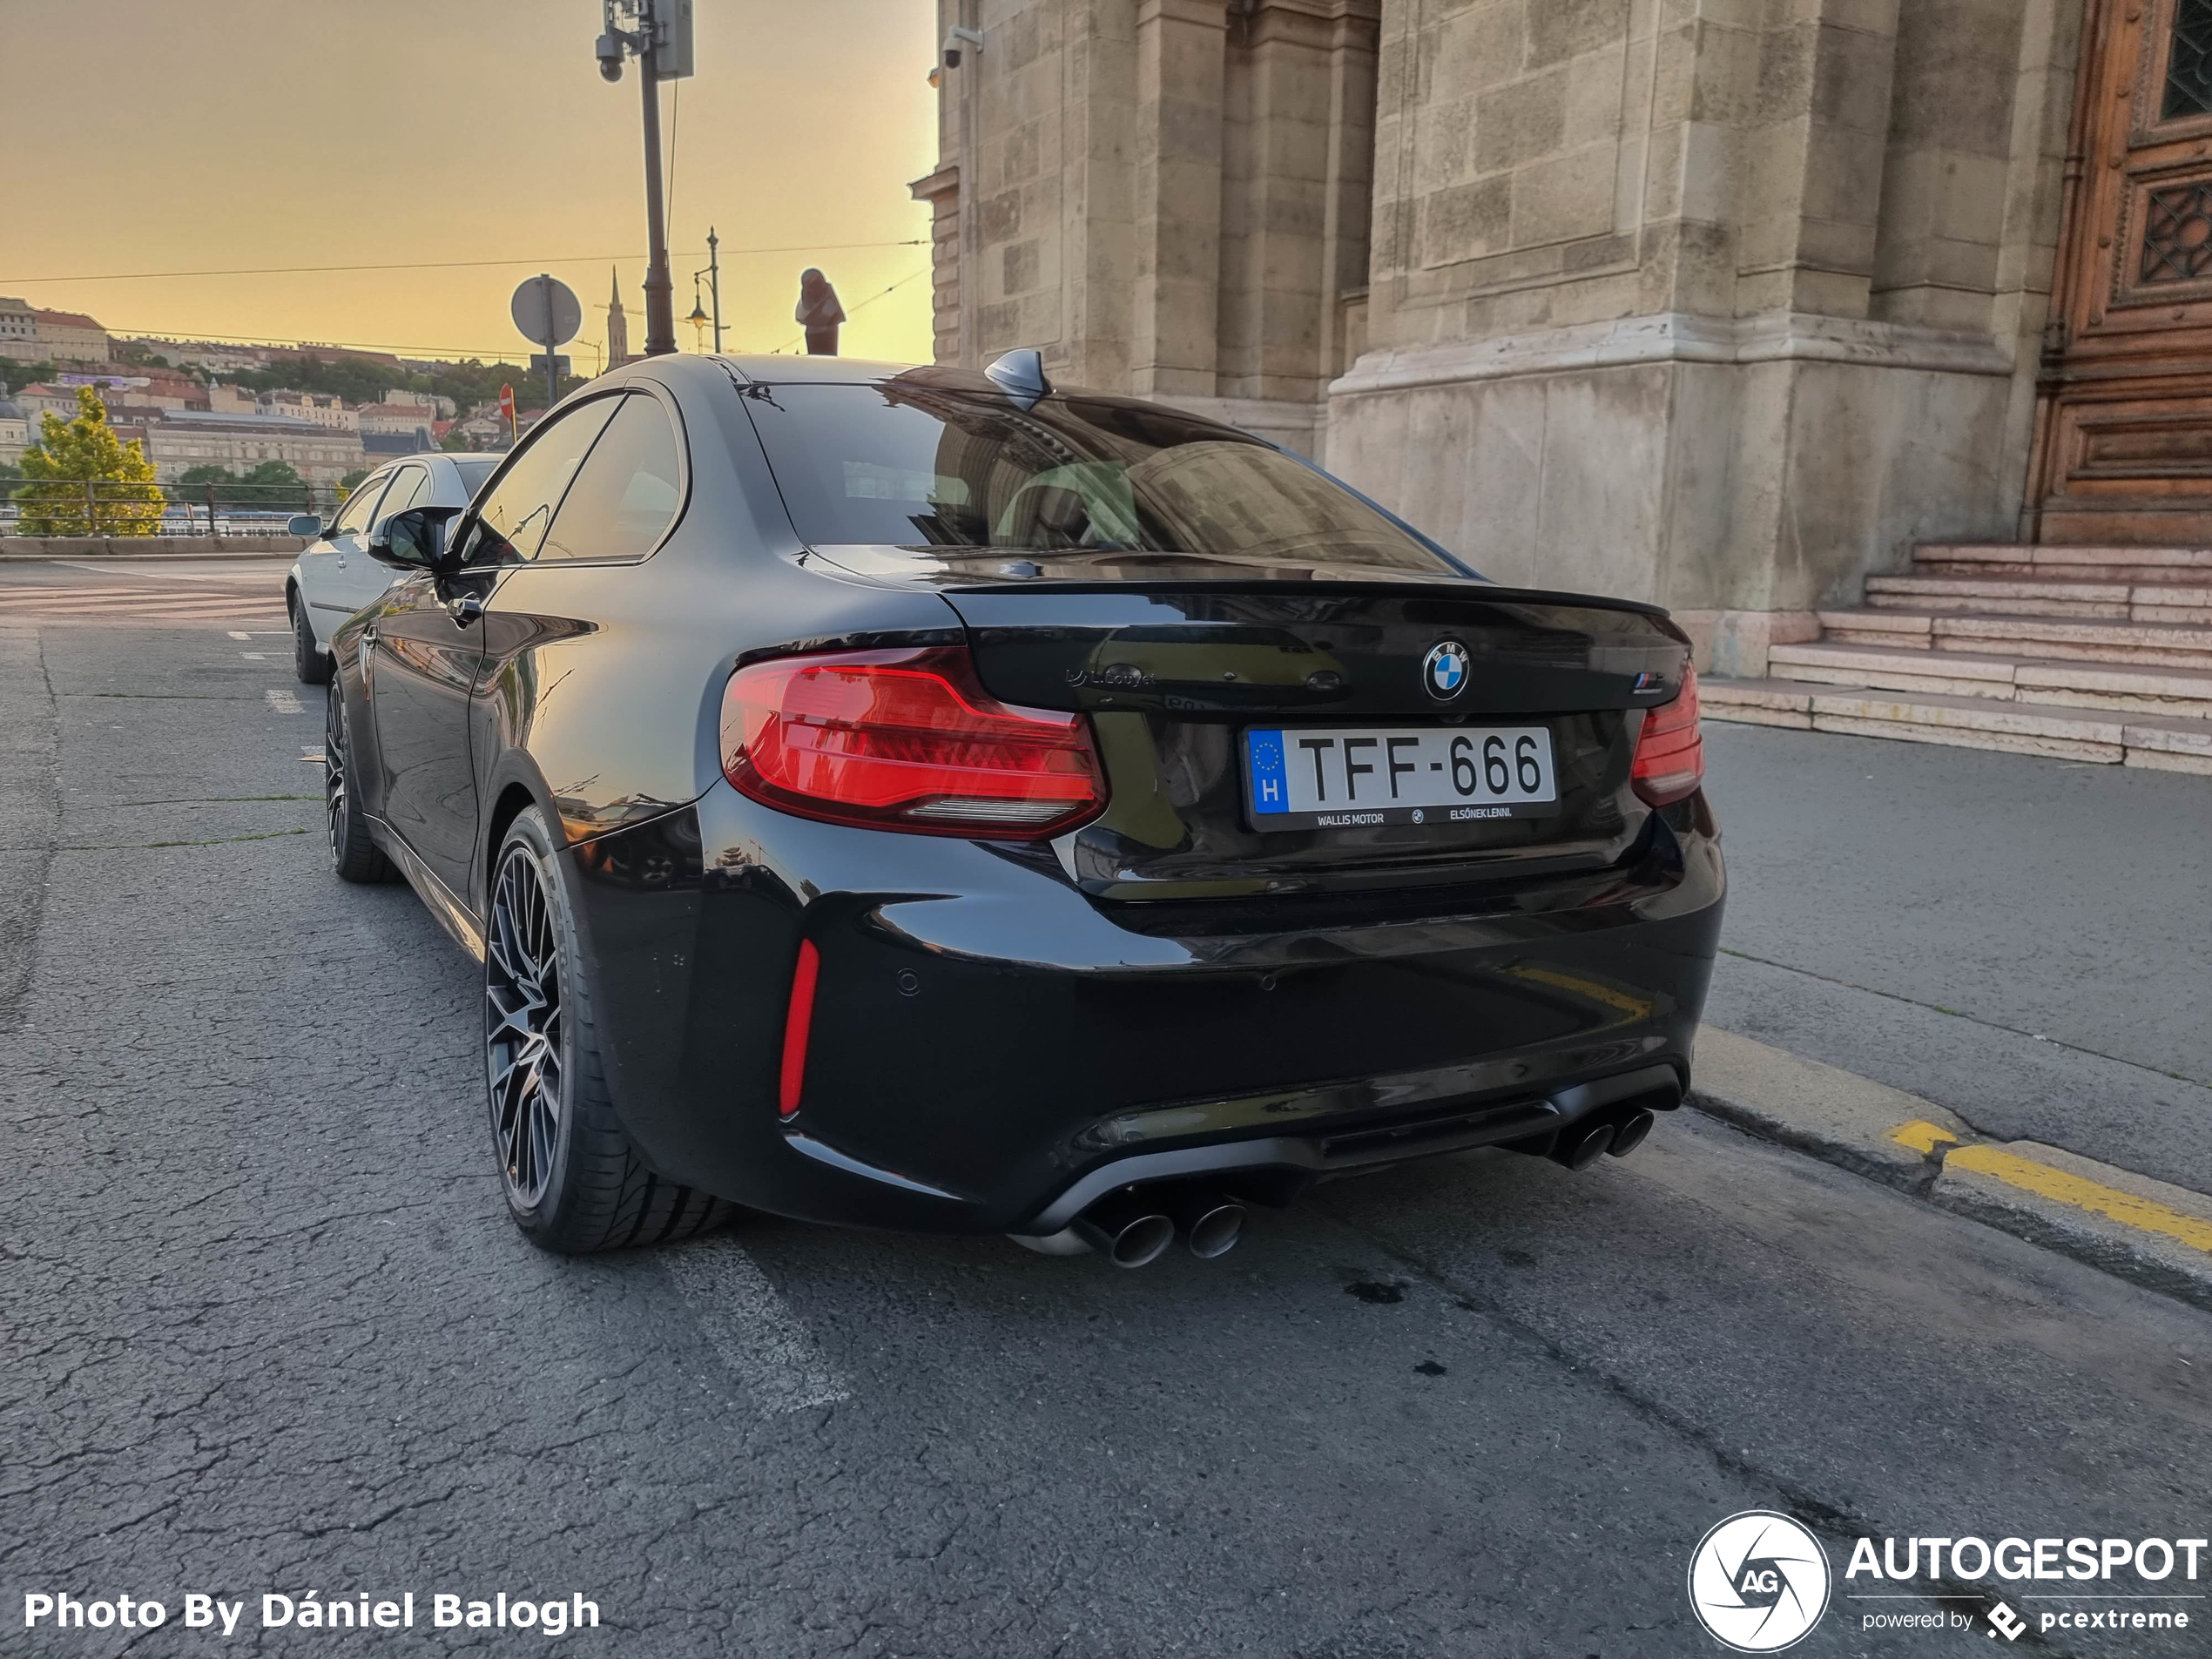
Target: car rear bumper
991, 1049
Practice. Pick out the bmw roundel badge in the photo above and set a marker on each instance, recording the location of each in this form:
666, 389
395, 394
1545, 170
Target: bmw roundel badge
1444, 670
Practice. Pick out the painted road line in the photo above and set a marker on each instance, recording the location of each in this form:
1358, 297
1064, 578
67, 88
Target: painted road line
2131, 1225
284, 701
2065, 1186
1830, 1113
239, 633
1923, 1137
766, 1345
255, 656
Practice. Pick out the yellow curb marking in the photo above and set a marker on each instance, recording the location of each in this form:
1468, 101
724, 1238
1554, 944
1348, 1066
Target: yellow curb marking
2123, 1207
1922, 1136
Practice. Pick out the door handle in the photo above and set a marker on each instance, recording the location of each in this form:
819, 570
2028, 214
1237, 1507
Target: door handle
465, 609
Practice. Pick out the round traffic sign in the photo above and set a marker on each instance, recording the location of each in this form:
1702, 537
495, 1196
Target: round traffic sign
546, 311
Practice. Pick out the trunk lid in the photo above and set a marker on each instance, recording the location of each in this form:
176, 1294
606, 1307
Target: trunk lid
1175, 675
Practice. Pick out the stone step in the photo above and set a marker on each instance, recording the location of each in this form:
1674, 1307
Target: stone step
2169, 644
1963, 722
2130, 564
2119, 688
2030, 596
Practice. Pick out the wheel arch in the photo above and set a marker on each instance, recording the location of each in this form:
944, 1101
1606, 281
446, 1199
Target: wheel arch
509, 805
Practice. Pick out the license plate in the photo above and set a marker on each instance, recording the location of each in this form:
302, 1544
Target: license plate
1331, 778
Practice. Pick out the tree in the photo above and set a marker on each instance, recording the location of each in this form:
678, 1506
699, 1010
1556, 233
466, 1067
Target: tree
352, 480
122, 498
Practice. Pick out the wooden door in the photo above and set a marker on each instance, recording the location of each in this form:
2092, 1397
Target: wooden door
2123, 449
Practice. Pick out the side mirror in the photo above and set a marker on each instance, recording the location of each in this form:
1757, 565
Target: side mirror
413, 540
305, 524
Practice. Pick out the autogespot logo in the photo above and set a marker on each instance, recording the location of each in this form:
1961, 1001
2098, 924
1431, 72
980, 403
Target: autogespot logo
1759, 1582
1444, 670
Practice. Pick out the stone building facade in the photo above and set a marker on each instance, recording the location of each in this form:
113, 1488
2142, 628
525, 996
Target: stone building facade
1721, 303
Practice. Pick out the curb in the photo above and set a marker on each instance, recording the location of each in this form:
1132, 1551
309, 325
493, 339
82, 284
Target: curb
2147, 1232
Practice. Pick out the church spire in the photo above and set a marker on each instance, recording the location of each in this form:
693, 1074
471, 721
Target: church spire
617, 326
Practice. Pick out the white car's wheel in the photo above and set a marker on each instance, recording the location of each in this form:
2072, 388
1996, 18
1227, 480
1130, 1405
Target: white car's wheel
310, 661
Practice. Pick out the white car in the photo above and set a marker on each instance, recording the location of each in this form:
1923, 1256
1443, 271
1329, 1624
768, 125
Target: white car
333, 576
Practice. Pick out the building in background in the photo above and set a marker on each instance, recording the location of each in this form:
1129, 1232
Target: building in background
398, 420
184, 439
29, 335
43, 398
315, 408
440, 407
213, 357
16, 433
617, 326
70, 336
158, 388
18, 330
1726, 307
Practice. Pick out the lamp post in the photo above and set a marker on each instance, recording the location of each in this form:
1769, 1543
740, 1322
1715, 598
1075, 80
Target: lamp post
712, 272
660, 36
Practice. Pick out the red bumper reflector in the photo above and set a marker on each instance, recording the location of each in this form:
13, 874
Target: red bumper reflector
1670, 755
799, 1024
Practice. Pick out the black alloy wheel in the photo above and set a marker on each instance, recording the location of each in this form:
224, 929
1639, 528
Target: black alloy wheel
522, 1044
573, 1180
353, 855
310, 661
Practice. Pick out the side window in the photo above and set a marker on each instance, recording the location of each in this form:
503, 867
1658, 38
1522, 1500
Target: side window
511, 521
409, 486
623, 500
353, 517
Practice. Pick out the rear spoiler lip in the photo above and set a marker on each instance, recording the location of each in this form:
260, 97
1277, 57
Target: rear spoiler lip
1476, 588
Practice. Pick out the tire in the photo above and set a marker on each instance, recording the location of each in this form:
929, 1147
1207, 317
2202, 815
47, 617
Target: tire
353, 855
573, 1180
310, 661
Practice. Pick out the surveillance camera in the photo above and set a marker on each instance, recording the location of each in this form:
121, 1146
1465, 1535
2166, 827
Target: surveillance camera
954, 38
608, 52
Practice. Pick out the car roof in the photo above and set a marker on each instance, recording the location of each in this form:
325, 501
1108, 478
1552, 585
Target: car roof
775, 368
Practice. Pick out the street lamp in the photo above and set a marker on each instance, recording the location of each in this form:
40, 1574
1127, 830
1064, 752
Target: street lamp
712, 272
658, 34
697, 319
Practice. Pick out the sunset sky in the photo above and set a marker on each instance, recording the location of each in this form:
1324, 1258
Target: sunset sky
159, 136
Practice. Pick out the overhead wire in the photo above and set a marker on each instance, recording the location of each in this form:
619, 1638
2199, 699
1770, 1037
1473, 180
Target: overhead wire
453, 264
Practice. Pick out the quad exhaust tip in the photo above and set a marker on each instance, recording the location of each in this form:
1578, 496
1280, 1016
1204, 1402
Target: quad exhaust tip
1582, 1144
1132, 1230
1629, 1133
1125, 1229
1210, 1223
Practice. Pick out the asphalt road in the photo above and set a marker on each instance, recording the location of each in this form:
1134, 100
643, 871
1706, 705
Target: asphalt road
268, 1329
2020, 940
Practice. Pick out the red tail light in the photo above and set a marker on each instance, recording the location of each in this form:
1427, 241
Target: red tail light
905, 740
1670, 756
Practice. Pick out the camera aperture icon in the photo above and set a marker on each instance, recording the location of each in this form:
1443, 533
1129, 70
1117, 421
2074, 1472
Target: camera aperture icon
1759, 1582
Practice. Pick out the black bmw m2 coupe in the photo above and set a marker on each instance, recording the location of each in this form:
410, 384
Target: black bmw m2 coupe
938, 799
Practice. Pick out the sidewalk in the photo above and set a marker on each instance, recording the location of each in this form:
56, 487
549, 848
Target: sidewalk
2154, 1233
2018, 941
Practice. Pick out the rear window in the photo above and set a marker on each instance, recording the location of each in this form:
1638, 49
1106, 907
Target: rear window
915, 464
474, 472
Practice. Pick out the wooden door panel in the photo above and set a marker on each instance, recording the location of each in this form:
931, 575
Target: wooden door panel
2124, 434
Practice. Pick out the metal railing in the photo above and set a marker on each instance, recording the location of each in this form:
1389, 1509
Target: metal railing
104, 507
